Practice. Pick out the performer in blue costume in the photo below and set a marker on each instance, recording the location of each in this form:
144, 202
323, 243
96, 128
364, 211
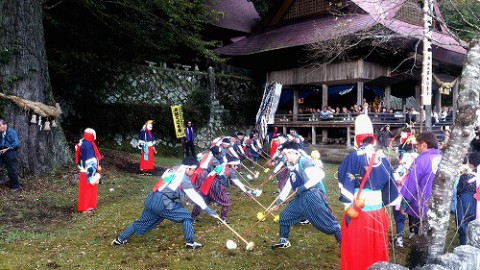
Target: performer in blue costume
366, 187
146, 143
163, 203
309, 203
87, 157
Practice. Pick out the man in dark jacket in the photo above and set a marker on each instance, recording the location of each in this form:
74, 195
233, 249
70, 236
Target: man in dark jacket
8, 154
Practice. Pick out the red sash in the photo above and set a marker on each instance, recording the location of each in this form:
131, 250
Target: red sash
205, 189
198, 170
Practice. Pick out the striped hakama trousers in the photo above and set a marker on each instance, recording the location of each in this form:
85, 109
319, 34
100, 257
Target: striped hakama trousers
217, 194
155, 212
309, 205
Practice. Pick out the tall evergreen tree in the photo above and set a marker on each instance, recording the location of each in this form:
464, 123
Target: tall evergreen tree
24, 74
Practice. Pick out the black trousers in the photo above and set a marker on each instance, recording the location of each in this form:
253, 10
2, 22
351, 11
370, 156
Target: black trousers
10, 159
190, 147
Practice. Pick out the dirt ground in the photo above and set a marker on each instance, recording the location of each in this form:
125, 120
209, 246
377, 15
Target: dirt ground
35, 207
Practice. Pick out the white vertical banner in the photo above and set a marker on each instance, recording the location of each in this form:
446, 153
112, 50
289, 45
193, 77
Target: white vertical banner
427, 53
268, 107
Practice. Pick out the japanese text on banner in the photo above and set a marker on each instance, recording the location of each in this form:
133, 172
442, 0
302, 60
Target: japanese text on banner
177, 115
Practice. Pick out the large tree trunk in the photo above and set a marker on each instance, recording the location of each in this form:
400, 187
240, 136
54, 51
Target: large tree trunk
462, 134
24, 73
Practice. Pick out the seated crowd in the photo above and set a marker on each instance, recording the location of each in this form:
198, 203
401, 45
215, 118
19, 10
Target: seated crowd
376, 113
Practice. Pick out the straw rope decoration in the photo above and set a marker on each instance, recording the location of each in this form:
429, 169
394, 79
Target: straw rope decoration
37, 107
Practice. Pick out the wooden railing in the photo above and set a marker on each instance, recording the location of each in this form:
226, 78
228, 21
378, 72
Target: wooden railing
343, 119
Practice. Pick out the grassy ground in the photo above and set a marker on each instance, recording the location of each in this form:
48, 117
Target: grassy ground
40, 229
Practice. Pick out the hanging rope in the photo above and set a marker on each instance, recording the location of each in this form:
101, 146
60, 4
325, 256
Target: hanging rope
37, 107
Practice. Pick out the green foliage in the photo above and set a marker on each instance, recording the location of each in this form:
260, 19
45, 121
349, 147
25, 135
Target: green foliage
263, 6
131, 30
462, 17
242, 104
197, 107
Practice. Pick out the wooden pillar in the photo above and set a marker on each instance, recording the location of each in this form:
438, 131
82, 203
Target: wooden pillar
349, 138
360, 93
285, 130
324, 134
314, 135
295, 104
388, 93
455, 98
324, 95
418, 98
404, 105
438, 102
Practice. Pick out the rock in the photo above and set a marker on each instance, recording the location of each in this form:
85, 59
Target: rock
134, 143
432, 267
118, 138
469, 256
386, 266
473, 233
449, 260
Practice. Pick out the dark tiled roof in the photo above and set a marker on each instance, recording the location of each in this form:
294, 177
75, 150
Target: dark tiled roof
299, 33
239, 15
324, 28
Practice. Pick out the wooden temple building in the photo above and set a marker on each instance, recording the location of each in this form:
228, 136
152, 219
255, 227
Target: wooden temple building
345, 52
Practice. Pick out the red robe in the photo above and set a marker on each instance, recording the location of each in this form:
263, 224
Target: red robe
87, 194
365, 249
147, 165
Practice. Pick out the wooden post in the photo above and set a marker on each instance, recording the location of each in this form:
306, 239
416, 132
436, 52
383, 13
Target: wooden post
438, 101
324, 134
295, 104
360, 93
417, 97
388, 93
324, 95
314, 135
349, 139
284, 130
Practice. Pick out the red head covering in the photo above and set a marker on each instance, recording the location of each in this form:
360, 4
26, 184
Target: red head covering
89, 135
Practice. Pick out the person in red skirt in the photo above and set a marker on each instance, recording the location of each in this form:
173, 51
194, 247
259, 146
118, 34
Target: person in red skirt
87, 158
146, 143
366, 187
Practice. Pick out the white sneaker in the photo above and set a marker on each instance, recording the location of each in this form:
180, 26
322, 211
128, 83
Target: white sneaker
399, 242
305, 222
284, 243
193, 245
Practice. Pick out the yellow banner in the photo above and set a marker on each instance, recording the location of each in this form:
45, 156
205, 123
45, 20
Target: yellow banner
177, 115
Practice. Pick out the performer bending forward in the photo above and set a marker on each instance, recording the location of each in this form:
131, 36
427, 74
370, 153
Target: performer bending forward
163, 203
309, 203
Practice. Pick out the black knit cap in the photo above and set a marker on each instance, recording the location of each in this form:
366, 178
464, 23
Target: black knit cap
190, 161
226, 141
215, 150
291, 145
